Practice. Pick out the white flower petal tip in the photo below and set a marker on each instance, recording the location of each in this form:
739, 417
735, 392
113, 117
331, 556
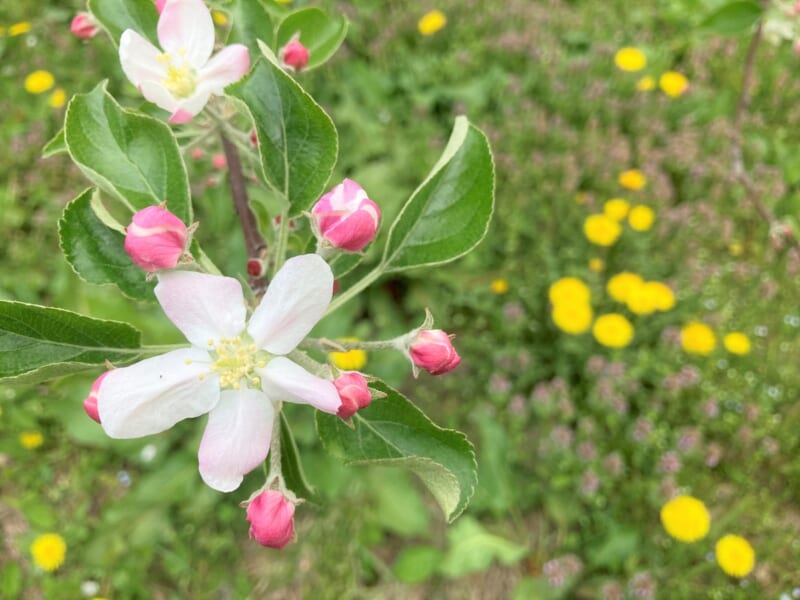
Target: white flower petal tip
282, 379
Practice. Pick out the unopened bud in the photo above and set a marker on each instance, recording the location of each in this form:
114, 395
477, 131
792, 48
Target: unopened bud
433, 351
155, 239
255, 267
90, 403
345, 218
294, 55
353, 392
83, 26
160, 5
254, 138
197, 153
271, 517
219, 161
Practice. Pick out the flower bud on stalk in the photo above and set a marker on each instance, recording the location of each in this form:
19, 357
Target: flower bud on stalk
345, 218
83, 26
294, 55
156, 239
271, 517
354, 393
433, 351
90, 404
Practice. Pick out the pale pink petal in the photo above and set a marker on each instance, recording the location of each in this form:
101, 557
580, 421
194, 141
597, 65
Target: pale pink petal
236, 439
156, 93
139, 59
287, 381
227, 66
295, 300
152, 395
185, 28
180, 116
204, 307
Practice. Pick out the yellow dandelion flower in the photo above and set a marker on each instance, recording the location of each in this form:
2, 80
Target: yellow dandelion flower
673, 84
686, 519
48, 551
664, 296
646, 84
698, 338
499, 286
431, 22
39, 82
31, 439
622, 284
572, 317
616, 208
630, 59
601, 230
569, 290
220, 18
352, 360
596, 265
643, 299
737, 343
735, 555
641, 217
632, 179
613, 330
58, 98
19, 28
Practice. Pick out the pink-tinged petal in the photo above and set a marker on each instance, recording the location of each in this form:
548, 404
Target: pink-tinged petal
227, 66
295, 300
160, 5
204, 307
180, 116
287, 381
236, 439
139, 59
185, 28
156, 93
154, 394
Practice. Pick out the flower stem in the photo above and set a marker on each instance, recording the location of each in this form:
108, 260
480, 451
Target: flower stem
275, 445
326, 345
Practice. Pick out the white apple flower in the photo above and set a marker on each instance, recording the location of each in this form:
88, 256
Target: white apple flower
183, 77
233, 371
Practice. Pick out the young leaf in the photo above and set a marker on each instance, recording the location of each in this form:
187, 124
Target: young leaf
450, 212
251, 22
472, 548
732, 17
296, 139
55, 145
320, 33
39, 343
131, 156
96, 252
118, 15
394, 432
291, 466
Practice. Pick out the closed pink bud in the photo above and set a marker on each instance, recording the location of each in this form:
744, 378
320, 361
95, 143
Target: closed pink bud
271, 517
353, 392
294, 55
434, 352
219, 161
83, 26
160, 5
155, 239
90, 404
345, 218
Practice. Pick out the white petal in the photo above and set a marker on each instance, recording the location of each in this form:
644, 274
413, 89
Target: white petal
156, 93
236, 439
287, 381
228, 66
139, 59
154, 394
204, 307
295, 300
185, 28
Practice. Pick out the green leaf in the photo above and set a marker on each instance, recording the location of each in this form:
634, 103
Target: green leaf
55, 145
471, 548
291, 467
297, 141
96, 252
251, 22
320, 33
732, 18
450, 212
133, 157
118, 15
394, 432
494, 467
416, 563
39, 343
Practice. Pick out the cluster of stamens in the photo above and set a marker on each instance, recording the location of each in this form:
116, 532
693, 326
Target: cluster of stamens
235, 362
180, 80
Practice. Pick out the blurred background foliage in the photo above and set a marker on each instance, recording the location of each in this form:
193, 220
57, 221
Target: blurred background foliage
579, 445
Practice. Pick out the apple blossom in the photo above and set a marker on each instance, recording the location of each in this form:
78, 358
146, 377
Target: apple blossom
156, 239
433, 351
271, 518
345, 218
90, 403
84, 26
182, 78
354, 393
294, 55
234, 370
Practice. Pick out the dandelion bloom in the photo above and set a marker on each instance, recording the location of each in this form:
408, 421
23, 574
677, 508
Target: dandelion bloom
596, 265
19, 28
31, 439
39, 82
569, 290
499, 286
620, 286
698, 338
646, 84
649, 297
673, 84
686, 519
431, 22
735, 555
58, 98
613, 330
632, 179
641, 217
630, 59
351, 360
664, 296
737, 343
616, 208
572, 317
601, 230
48, 551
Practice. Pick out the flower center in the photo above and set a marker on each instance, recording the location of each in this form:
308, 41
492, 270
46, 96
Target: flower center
235, 360
180, 81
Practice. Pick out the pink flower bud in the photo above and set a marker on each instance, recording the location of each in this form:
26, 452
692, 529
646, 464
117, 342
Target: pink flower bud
197, 153
433, 351
160, 5
255, 267
294, 55
254, 138
271, 517
219, 161
345, 218
84, 26
90, 404
155, 239
353, 392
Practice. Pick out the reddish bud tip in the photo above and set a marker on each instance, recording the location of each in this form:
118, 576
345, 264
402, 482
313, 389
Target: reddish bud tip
353, 392
433, 351
155, 239
83, 26
294, 55
255, 267
90, 403
219, 162
271, 517
345, 218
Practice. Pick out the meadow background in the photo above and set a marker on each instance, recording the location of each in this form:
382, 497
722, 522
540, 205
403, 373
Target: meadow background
579, 444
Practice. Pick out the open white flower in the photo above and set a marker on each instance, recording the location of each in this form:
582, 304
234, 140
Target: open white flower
233, 370
182, 78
